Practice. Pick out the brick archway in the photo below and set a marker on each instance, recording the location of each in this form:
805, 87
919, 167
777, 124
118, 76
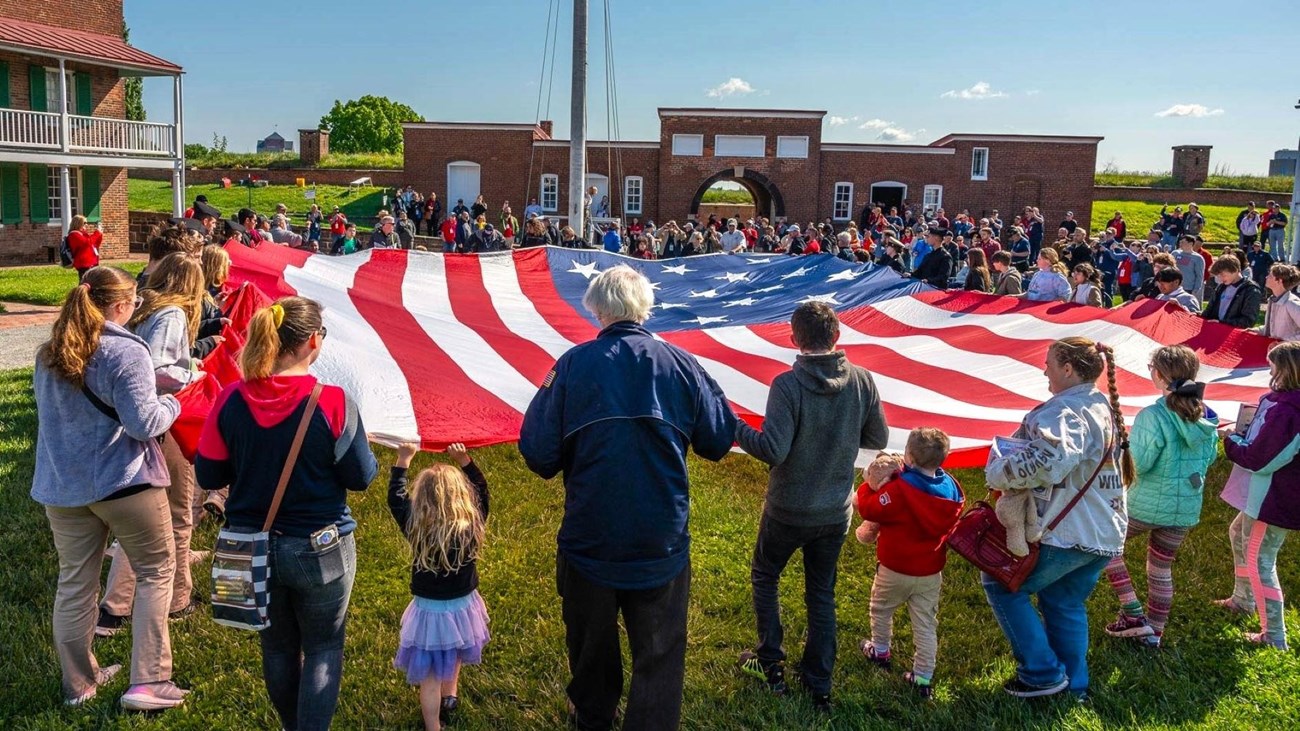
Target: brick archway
767, 198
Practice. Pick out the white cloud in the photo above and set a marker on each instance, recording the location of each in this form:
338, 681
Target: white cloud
734, 85
874, 124
981, 90
896, 134
1033, 92
835, 121
1189, 110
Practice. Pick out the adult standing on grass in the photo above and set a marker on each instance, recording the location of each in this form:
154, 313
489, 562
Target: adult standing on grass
96, 396
623, 541
1074, 442
245, 444
1173, 445
432, 213
1275, 230
84, 240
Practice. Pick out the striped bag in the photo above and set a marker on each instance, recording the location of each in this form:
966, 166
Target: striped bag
240, 569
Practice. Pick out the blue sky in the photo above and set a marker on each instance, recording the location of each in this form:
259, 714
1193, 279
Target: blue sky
882, 71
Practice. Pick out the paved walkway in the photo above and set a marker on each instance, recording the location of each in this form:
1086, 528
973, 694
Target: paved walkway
23, 328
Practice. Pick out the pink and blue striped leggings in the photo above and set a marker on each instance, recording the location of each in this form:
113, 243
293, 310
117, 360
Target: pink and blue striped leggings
1161, 549
1254, 556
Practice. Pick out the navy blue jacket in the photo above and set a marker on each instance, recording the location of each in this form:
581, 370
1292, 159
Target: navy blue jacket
616, 416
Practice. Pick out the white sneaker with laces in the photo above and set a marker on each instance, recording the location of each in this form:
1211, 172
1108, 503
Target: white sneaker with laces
153, 696
104, 675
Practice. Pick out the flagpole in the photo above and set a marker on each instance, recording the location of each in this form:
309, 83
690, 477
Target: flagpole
578, 122
1295, 210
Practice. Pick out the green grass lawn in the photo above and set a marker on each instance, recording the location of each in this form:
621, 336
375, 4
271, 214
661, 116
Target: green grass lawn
1205, 677
343, 160
1220, 221
156, 195
1143, 179
45, 285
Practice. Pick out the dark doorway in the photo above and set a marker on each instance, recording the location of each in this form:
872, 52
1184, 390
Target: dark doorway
887, 196
767, 199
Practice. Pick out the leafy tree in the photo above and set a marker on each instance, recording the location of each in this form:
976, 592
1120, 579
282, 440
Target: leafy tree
368, 124
134, 89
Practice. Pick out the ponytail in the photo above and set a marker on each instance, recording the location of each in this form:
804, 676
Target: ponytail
276, 330
1128, 471
75, 335
1178, 366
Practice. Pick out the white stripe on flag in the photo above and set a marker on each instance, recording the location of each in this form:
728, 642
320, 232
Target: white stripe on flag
355, 357
517, 312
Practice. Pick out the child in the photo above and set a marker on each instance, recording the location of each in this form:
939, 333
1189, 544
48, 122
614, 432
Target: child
809, 491
915, 512
442, 514
1272, 505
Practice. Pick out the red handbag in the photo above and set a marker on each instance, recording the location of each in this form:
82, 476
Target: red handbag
979, 537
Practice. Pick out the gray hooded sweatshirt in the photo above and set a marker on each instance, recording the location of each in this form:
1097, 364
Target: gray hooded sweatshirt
82, 455
819, 414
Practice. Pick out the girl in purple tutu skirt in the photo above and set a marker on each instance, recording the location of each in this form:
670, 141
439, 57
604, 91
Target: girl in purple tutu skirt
442, 513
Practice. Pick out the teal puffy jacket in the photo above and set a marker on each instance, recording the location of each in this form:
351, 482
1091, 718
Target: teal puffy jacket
1171, 455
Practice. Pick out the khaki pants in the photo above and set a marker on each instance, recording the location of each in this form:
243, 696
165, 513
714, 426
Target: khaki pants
921, 593
180, 496
140, 523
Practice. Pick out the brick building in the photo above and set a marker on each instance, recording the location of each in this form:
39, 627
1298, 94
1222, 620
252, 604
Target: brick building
65, 145
778, 155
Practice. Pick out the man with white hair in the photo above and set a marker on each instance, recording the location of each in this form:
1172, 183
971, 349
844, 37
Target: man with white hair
733, 241
384, 237
281, 234
616, 415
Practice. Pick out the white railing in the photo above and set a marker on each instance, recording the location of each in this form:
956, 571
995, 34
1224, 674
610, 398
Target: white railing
121, 136
38, 130
42, 131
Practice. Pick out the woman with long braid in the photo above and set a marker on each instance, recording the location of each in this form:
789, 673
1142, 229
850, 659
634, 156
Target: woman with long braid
1173, 445
1075, 445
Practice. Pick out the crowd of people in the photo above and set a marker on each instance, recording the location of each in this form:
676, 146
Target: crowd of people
123, 347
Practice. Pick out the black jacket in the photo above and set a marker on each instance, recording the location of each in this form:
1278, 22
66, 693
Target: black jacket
935, 268
437, 584
1243, 310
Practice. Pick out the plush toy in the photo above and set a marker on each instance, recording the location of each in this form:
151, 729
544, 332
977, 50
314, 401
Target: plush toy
881, 470
1018, 514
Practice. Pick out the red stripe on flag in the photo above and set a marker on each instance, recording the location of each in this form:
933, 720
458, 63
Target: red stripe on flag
538, 285
473, 306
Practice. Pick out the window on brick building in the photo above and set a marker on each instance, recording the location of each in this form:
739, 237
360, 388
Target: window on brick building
633, 188
979, 163
739, 146
550, 195
688, 145
932, 198
52, 188
52, 91
792, 146
842, 203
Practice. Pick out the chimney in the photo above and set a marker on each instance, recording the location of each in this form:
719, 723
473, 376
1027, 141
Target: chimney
313, 146
1191, 165
547, 127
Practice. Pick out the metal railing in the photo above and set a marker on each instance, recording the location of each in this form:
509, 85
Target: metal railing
43, 131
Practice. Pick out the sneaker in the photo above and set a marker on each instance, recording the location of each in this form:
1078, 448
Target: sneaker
1259, 638
1151, 641
1126, 626
1020, 689
880, 659
771, 673
104, 675
153, 696
109, 624
199, 556
186, 610
922, 686
1231, 605
215, 503
821, 702
447, 709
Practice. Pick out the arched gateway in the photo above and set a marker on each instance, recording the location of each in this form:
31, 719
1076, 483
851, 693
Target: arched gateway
767, 198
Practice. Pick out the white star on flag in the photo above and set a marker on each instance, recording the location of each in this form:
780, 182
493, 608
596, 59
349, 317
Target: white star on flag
742, 302
757, 261
796, 273
846, 275
679, 269
671, 305
707, 320
706, 294
586, 270
773, 288
828, 298
734, 277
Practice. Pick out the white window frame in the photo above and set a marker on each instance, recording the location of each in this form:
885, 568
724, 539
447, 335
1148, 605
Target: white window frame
739, 146
938, 198
633, 203
550, 202
52, 89
688, 145
976, 173
54, 197
845, 200
800, 143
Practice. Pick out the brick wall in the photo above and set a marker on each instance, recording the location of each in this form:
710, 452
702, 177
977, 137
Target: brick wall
92, 16
141, 225
25, 242
503, 156
1182, 196
108, 90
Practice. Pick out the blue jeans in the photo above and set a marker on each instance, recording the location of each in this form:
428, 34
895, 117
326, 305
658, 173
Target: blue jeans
302, 650
821, 545
1277, 244
1050, 643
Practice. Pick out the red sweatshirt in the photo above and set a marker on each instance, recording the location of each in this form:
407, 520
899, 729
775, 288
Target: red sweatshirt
85, 248
914, 521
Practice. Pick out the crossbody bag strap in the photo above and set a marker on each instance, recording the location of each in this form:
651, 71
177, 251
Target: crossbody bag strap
99, 404
292, 459
1105, 457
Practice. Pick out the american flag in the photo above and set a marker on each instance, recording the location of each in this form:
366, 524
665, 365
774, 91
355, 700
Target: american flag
440, 349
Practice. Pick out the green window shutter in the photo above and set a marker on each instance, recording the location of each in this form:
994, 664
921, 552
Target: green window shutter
4, 84
38, 193
90, 194
11, 206
37, 76
85, 104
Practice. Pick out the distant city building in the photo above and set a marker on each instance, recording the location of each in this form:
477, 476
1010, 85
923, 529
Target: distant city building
274, 143
1283, 162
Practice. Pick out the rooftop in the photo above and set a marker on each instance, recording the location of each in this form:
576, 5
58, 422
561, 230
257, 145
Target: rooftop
75, 45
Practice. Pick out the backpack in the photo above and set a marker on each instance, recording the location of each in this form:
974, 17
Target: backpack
65, 253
